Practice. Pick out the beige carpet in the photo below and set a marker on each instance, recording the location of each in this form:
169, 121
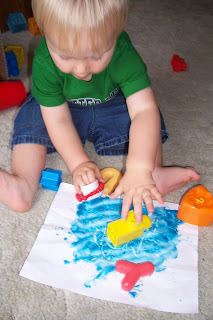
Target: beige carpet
158, 29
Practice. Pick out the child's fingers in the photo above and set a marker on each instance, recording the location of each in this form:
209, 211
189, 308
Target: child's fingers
118, 191
137, 204
149, 203
80, 181
127, 201
156, 195
85, 178
159, 197
92, 173
98, 174
89, 176
147, 198
77, 188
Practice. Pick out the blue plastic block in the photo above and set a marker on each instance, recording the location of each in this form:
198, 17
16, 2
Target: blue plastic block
51, 179
12, 63
16, 22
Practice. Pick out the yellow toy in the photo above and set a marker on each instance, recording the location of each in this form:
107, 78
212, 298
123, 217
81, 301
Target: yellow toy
111, 177
122, 231
19, 52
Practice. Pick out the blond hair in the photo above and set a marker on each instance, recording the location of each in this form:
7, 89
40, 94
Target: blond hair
103, 20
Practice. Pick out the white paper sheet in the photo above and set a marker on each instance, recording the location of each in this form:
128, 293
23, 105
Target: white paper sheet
72, 252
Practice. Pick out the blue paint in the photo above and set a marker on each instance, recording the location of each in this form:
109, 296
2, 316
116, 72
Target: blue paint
66, 262
158, 244
136, 290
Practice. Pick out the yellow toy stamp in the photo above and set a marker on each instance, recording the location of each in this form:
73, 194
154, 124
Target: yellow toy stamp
122, 231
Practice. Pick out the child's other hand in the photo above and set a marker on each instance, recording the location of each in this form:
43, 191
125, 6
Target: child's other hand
86, 173
137, 186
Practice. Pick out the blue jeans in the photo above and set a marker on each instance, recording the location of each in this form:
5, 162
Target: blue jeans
106, 125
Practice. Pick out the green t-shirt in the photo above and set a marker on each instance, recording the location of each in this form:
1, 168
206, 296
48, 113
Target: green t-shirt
126, 72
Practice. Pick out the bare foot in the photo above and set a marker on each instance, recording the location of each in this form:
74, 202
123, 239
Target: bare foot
15, 192
168, 179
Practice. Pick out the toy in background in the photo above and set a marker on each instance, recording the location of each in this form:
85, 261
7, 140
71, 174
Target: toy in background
14, 58
178, 63
33, 27
19, 52
14, 55
12, 94
197, 207
12, 63
16, 22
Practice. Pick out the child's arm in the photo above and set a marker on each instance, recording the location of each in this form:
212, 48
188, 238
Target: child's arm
65, 138
144, 136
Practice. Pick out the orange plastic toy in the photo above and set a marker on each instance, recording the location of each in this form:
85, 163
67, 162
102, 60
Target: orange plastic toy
33, 27
111, 177
197, 207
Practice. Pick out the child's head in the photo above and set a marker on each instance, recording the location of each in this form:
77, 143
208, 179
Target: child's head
80, 30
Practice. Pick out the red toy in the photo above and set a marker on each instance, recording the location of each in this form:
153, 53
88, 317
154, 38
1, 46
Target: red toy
81, 197
133, 272
12, 93
178, 63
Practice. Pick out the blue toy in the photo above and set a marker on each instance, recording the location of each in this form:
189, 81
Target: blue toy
12, 63
51, 179
16, 22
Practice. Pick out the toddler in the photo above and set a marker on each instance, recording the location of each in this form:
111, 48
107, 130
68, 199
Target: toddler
89, 83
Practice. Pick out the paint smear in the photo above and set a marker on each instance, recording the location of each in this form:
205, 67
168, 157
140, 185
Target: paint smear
92, 245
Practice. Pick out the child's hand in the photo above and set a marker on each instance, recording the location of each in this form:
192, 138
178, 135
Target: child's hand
137, 186
86, 173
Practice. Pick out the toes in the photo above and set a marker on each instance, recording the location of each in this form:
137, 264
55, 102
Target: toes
193, 175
